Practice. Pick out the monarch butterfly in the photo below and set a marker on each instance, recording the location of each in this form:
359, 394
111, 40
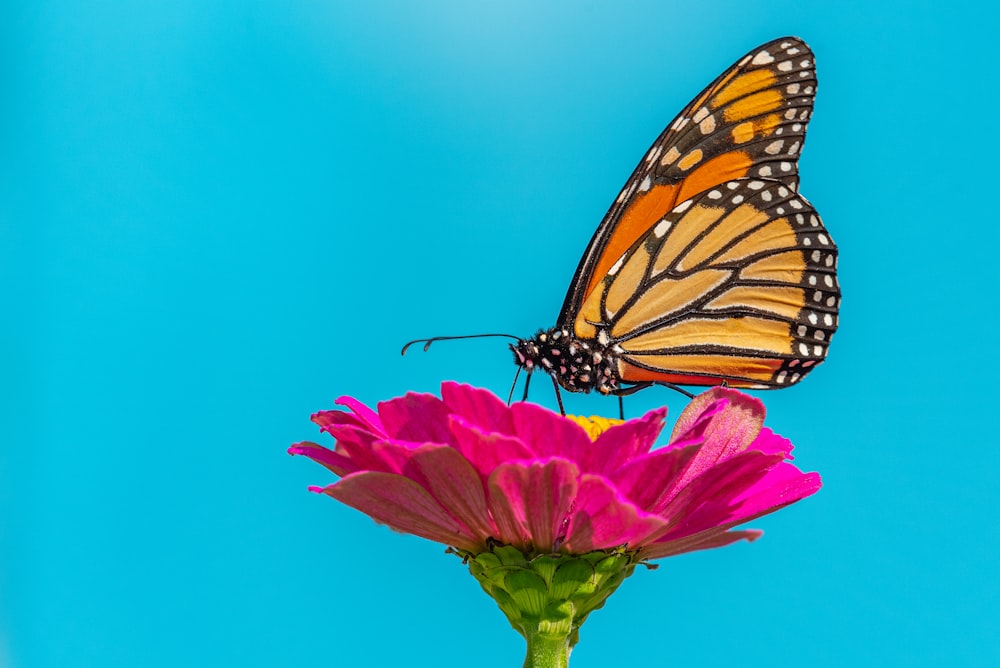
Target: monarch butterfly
709, 268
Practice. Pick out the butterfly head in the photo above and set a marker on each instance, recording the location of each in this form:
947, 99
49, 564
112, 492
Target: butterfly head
578, 366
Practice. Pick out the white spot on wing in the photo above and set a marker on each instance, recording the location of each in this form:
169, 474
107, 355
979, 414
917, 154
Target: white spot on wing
762, 58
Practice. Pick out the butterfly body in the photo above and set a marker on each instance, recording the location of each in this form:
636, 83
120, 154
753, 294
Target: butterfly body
709, 267
578, 365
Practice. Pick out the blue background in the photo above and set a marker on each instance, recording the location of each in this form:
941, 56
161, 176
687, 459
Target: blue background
219, 216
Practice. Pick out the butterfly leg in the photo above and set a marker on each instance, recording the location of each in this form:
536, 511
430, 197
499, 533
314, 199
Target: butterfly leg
527, 382
513, 386
621, 407
677, 389
632, 389
555, 384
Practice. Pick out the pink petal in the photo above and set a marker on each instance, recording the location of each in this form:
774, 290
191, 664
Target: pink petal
530, 500
794, 490
478, 407
549, 434
701, 541
647, 480
451, 480
366, 415
771, 444
739, 495
740, 422
420, 418
602, 518
404, 505
486, 450
783, 485
727, 421
335, 462
694, 508
360, 446
331, 418
622, 443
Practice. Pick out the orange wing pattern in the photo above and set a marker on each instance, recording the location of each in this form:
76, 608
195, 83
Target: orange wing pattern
709, 266
750, 121
738, 284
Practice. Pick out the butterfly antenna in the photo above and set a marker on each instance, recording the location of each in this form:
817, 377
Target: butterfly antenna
427, 342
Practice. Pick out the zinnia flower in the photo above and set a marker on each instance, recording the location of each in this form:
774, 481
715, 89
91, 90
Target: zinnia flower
553, 512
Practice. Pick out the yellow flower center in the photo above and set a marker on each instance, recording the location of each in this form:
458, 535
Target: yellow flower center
595, 424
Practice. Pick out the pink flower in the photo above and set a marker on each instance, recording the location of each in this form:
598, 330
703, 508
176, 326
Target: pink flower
469, 471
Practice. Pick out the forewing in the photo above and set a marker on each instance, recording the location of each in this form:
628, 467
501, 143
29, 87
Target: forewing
750, 121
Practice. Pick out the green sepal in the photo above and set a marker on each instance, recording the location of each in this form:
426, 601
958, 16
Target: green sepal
547, 597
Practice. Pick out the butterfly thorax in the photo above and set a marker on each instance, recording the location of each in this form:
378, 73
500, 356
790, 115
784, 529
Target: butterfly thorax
578, 366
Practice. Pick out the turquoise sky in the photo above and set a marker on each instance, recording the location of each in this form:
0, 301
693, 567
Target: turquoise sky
216, 217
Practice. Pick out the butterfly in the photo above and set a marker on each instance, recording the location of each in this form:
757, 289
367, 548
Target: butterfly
709, 268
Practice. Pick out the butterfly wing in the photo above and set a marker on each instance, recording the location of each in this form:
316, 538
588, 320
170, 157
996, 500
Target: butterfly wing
737, 284
749, 122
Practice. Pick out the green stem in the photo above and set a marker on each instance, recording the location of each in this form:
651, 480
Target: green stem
547, 651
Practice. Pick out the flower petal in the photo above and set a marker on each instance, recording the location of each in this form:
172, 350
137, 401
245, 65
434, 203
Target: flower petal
478, 407
365, 415
603, 518
332, 418
770, 444
451, 480
332, 460
486, 450
727, 421
647, 480
362, 448
623, 442
421, 418
530, 500
404, 505
783, 485
549, 434
739, 422
700, 541
715, 498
